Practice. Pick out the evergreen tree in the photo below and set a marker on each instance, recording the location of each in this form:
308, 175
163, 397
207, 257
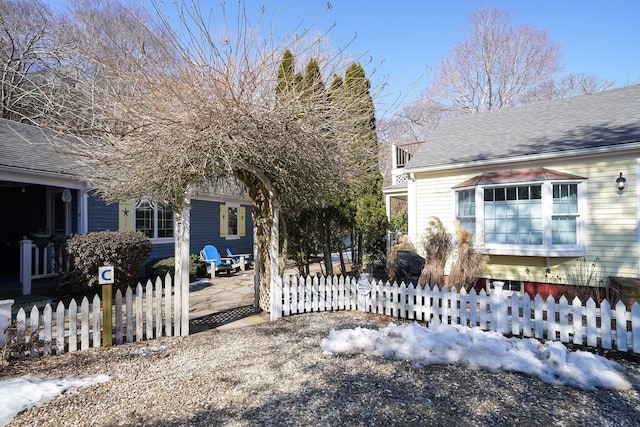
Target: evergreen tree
286, 75
366, 193
357, 211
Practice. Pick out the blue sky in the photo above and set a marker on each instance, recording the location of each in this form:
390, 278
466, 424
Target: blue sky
409, 36
596, 37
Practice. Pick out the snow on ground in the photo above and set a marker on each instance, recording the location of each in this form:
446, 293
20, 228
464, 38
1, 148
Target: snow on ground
436, 344
472, 347
18, 394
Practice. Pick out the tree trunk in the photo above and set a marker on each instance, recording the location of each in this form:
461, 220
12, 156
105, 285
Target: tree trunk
326, 237
343, 268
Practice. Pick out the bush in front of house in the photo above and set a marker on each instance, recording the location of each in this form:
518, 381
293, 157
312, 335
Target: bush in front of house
160, 268
124, 250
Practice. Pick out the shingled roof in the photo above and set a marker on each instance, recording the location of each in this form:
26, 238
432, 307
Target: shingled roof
600, 119
30, 148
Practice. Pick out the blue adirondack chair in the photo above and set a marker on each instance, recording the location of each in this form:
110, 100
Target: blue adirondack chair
215, 263
248, 258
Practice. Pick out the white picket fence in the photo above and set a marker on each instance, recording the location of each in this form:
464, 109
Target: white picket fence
149, 313
500, 311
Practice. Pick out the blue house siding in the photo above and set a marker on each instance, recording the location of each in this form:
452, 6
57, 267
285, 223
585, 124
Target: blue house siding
205, 229
101, 216
161, 250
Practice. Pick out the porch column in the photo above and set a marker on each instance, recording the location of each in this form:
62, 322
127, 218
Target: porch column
184, 261
412, 209
26, 265
83, 203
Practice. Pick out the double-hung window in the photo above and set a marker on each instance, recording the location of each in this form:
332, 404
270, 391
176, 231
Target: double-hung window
565, 214
466, 209
232, 221
153, 219
545, 217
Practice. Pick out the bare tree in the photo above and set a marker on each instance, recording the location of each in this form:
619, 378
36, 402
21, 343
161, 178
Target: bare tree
31, 42
158, 112
496, 66
570, 85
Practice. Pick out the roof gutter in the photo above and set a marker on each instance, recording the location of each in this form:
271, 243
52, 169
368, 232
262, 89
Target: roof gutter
528, 158
20, 175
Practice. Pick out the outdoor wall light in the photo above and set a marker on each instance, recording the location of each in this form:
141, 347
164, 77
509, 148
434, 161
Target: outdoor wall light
66, 195
620, 183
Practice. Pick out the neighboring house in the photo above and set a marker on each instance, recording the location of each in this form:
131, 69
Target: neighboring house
539, 186
42, 193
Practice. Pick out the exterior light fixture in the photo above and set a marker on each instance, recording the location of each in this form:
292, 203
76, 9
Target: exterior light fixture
620, 183
66, 195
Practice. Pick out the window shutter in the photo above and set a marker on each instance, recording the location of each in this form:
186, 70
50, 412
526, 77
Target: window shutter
223, 220
126, 215
242, 228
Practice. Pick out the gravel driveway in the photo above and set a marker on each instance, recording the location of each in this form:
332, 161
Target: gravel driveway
275, 374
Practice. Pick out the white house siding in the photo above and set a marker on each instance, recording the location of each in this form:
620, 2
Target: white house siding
612, 218
435, 197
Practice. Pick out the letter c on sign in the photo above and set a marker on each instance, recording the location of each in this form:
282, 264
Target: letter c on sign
105, 275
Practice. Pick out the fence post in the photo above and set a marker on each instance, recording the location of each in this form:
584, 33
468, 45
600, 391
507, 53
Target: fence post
5, 318
276, 298
26, 265
498, 314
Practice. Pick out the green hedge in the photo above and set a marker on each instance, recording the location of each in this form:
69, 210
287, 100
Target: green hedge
161, 266
124, 250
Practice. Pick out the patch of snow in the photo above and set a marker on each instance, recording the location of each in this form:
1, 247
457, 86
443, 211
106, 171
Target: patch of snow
477, 349
25, 392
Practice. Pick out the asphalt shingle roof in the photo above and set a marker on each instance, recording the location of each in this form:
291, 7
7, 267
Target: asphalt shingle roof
583, 122
34, 149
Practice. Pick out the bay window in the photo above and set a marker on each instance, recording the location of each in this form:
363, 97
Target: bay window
513, 215
545, 218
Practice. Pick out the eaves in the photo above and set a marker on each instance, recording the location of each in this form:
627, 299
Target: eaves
528, 158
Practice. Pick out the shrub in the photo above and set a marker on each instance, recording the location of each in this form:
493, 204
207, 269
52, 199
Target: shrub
124, 250
437, 246
468, 264
161, 266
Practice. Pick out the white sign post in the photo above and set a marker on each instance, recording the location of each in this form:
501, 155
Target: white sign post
106, 278
364, 289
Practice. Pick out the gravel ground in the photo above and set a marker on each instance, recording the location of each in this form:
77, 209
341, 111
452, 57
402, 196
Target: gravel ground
275, 374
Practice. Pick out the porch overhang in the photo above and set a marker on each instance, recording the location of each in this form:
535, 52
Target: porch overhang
27, 176
396, 191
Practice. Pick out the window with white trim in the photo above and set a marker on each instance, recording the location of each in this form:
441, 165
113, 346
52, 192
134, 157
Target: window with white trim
513, 215
232, 221
565, 214
533, 219
466, 209
153, 219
